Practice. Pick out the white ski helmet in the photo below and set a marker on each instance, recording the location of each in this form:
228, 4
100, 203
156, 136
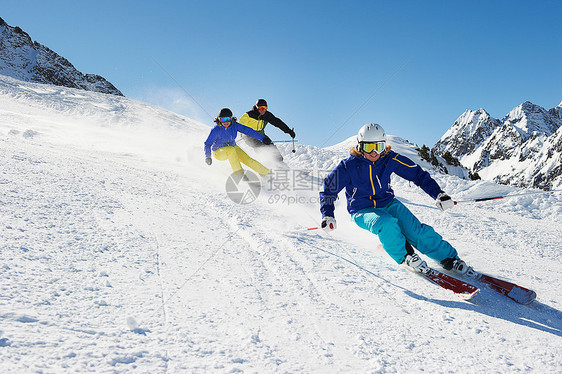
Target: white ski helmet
371, 133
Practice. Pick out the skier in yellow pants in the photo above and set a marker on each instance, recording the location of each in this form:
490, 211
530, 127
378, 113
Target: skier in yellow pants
222, 142
235, 155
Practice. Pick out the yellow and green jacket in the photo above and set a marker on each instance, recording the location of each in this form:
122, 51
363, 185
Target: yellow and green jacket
255, 121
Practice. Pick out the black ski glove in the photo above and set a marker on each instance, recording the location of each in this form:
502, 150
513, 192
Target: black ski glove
292, 133
266, 140
209, 160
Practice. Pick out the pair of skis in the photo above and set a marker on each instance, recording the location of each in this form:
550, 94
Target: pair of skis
467, 291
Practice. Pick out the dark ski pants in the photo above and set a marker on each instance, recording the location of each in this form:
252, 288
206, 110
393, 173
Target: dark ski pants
260, 147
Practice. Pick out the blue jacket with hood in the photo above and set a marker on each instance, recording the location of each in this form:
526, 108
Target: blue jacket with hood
221, 136
367, 184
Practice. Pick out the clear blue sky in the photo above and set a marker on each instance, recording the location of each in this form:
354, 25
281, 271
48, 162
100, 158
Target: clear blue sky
316, 62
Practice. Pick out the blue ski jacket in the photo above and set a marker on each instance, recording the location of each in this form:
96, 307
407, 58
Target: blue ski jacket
367, 184
221, 136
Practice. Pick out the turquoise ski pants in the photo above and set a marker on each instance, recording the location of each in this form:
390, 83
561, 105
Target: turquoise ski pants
394, 224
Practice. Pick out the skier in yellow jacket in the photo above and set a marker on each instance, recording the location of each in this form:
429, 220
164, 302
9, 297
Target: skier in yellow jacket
257, 119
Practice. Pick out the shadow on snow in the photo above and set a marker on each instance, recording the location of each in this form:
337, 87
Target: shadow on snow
537, 315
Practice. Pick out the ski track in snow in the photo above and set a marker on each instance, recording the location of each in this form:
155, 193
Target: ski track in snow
133, 259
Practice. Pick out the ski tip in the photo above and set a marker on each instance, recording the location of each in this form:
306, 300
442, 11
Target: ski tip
469, 295
516, 293
524, 297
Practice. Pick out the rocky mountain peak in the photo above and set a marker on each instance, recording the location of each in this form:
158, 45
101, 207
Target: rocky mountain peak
27, 60
529, 118
467, 133
523, 149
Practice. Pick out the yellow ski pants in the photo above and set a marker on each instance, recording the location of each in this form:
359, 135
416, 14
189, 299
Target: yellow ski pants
235, 155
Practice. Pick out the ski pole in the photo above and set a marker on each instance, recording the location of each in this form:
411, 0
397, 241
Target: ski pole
316, 228
307, 229
284, 141
293, 140
504, 196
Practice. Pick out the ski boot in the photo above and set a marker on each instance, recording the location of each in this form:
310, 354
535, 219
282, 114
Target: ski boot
458, 266
416, 263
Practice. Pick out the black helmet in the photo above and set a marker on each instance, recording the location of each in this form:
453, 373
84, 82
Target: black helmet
225, 112
261, 102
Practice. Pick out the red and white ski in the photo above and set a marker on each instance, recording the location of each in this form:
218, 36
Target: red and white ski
461, 288
515, 292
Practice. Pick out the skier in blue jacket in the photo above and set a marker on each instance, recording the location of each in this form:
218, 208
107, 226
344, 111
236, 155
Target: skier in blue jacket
370, 200
222, 142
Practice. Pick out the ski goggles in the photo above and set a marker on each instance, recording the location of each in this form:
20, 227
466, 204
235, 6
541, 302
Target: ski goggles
225, 119
369, 147
262, 108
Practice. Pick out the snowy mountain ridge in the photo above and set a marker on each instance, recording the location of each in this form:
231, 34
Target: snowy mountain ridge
30, 61
522, 149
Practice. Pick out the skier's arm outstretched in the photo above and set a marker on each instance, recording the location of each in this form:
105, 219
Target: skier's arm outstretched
253, 133
409, 170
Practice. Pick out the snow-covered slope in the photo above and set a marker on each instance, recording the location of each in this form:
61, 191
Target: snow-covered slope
27, 60
120, 252
523, 149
